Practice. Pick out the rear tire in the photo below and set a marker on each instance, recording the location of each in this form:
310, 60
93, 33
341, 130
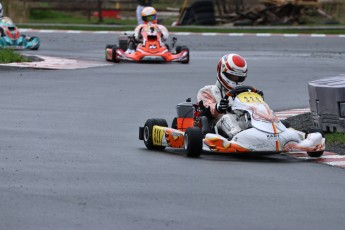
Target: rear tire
174, 123
148, 128
193, 142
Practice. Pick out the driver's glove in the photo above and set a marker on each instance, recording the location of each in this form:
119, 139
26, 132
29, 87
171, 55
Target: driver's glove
222, 106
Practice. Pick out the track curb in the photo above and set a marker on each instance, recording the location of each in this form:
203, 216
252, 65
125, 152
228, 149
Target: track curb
328, 158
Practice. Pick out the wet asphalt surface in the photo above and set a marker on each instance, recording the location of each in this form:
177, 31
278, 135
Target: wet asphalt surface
70, 157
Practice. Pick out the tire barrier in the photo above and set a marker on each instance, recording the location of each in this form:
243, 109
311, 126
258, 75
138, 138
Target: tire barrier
327, 103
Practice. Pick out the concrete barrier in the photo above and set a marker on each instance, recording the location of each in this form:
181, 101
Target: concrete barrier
327, 103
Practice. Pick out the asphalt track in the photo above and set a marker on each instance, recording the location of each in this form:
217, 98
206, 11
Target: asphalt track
70, 157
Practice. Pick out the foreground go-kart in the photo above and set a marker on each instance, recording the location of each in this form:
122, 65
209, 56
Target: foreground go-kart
11, 38
263, 132
152, 49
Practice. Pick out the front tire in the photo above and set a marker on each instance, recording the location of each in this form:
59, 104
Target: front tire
179, 49
193, 142
114, 57
148, 128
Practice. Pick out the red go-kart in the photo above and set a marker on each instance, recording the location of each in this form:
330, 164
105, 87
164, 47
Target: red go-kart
152, 49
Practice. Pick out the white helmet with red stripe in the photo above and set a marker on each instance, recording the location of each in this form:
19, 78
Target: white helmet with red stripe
231, 71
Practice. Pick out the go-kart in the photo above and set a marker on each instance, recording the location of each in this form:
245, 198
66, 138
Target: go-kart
152, 49
263, 132
11, 37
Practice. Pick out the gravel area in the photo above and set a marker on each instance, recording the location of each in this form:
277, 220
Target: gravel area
304, 122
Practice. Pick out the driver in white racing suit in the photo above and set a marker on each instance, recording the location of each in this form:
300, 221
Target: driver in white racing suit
231, 72
149, 16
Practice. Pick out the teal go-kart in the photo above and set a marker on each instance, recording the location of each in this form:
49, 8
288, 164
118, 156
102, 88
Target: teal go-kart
11, 37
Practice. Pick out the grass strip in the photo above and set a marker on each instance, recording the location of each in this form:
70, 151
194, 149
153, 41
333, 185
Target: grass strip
9, 55
336, 138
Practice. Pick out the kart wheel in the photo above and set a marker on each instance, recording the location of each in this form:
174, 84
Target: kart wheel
106, 54
114, 57
317, 153
148, 128
38, 44
179, 49
174, 123
193, 142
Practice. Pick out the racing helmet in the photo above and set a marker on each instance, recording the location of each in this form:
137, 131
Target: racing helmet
1, 11
231, 71
149, 14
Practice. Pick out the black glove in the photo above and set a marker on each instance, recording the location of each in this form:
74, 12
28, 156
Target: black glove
222, 106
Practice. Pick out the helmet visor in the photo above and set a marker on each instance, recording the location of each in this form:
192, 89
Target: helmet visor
150, 18
234, 78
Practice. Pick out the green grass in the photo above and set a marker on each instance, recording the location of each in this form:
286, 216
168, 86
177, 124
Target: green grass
9, 55
336, 138
68, 21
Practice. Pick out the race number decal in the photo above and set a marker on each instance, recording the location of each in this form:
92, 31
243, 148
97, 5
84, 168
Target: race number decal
157, 135
250, 97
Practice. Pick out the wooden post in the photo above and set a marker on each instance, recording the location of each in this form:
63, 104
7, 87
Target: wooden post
100, 15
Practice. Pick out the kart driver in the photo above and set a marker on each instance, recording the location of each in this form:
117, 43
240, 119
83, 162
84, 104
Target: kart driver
231, 72
149, 16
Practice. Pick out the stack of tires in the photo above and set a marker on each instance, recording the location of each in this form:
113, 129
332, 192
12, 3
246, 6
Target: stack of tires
199, 13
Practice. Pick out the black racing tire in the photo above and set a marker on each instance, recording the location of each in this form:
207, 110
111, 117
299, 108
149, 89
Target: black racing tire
114, 58
108, 47
148, 128
317, 153
187, 60
36, 47
193, 142
123, 43
174, 123
179, 49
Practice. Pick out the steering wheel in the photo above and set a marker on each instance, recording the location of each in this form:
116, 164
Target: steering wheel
240, 89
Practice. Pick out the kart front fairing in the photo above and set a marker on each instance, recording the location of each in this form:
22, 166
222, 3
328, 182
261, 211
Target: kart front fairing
266, 133
260, 115
152, 49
